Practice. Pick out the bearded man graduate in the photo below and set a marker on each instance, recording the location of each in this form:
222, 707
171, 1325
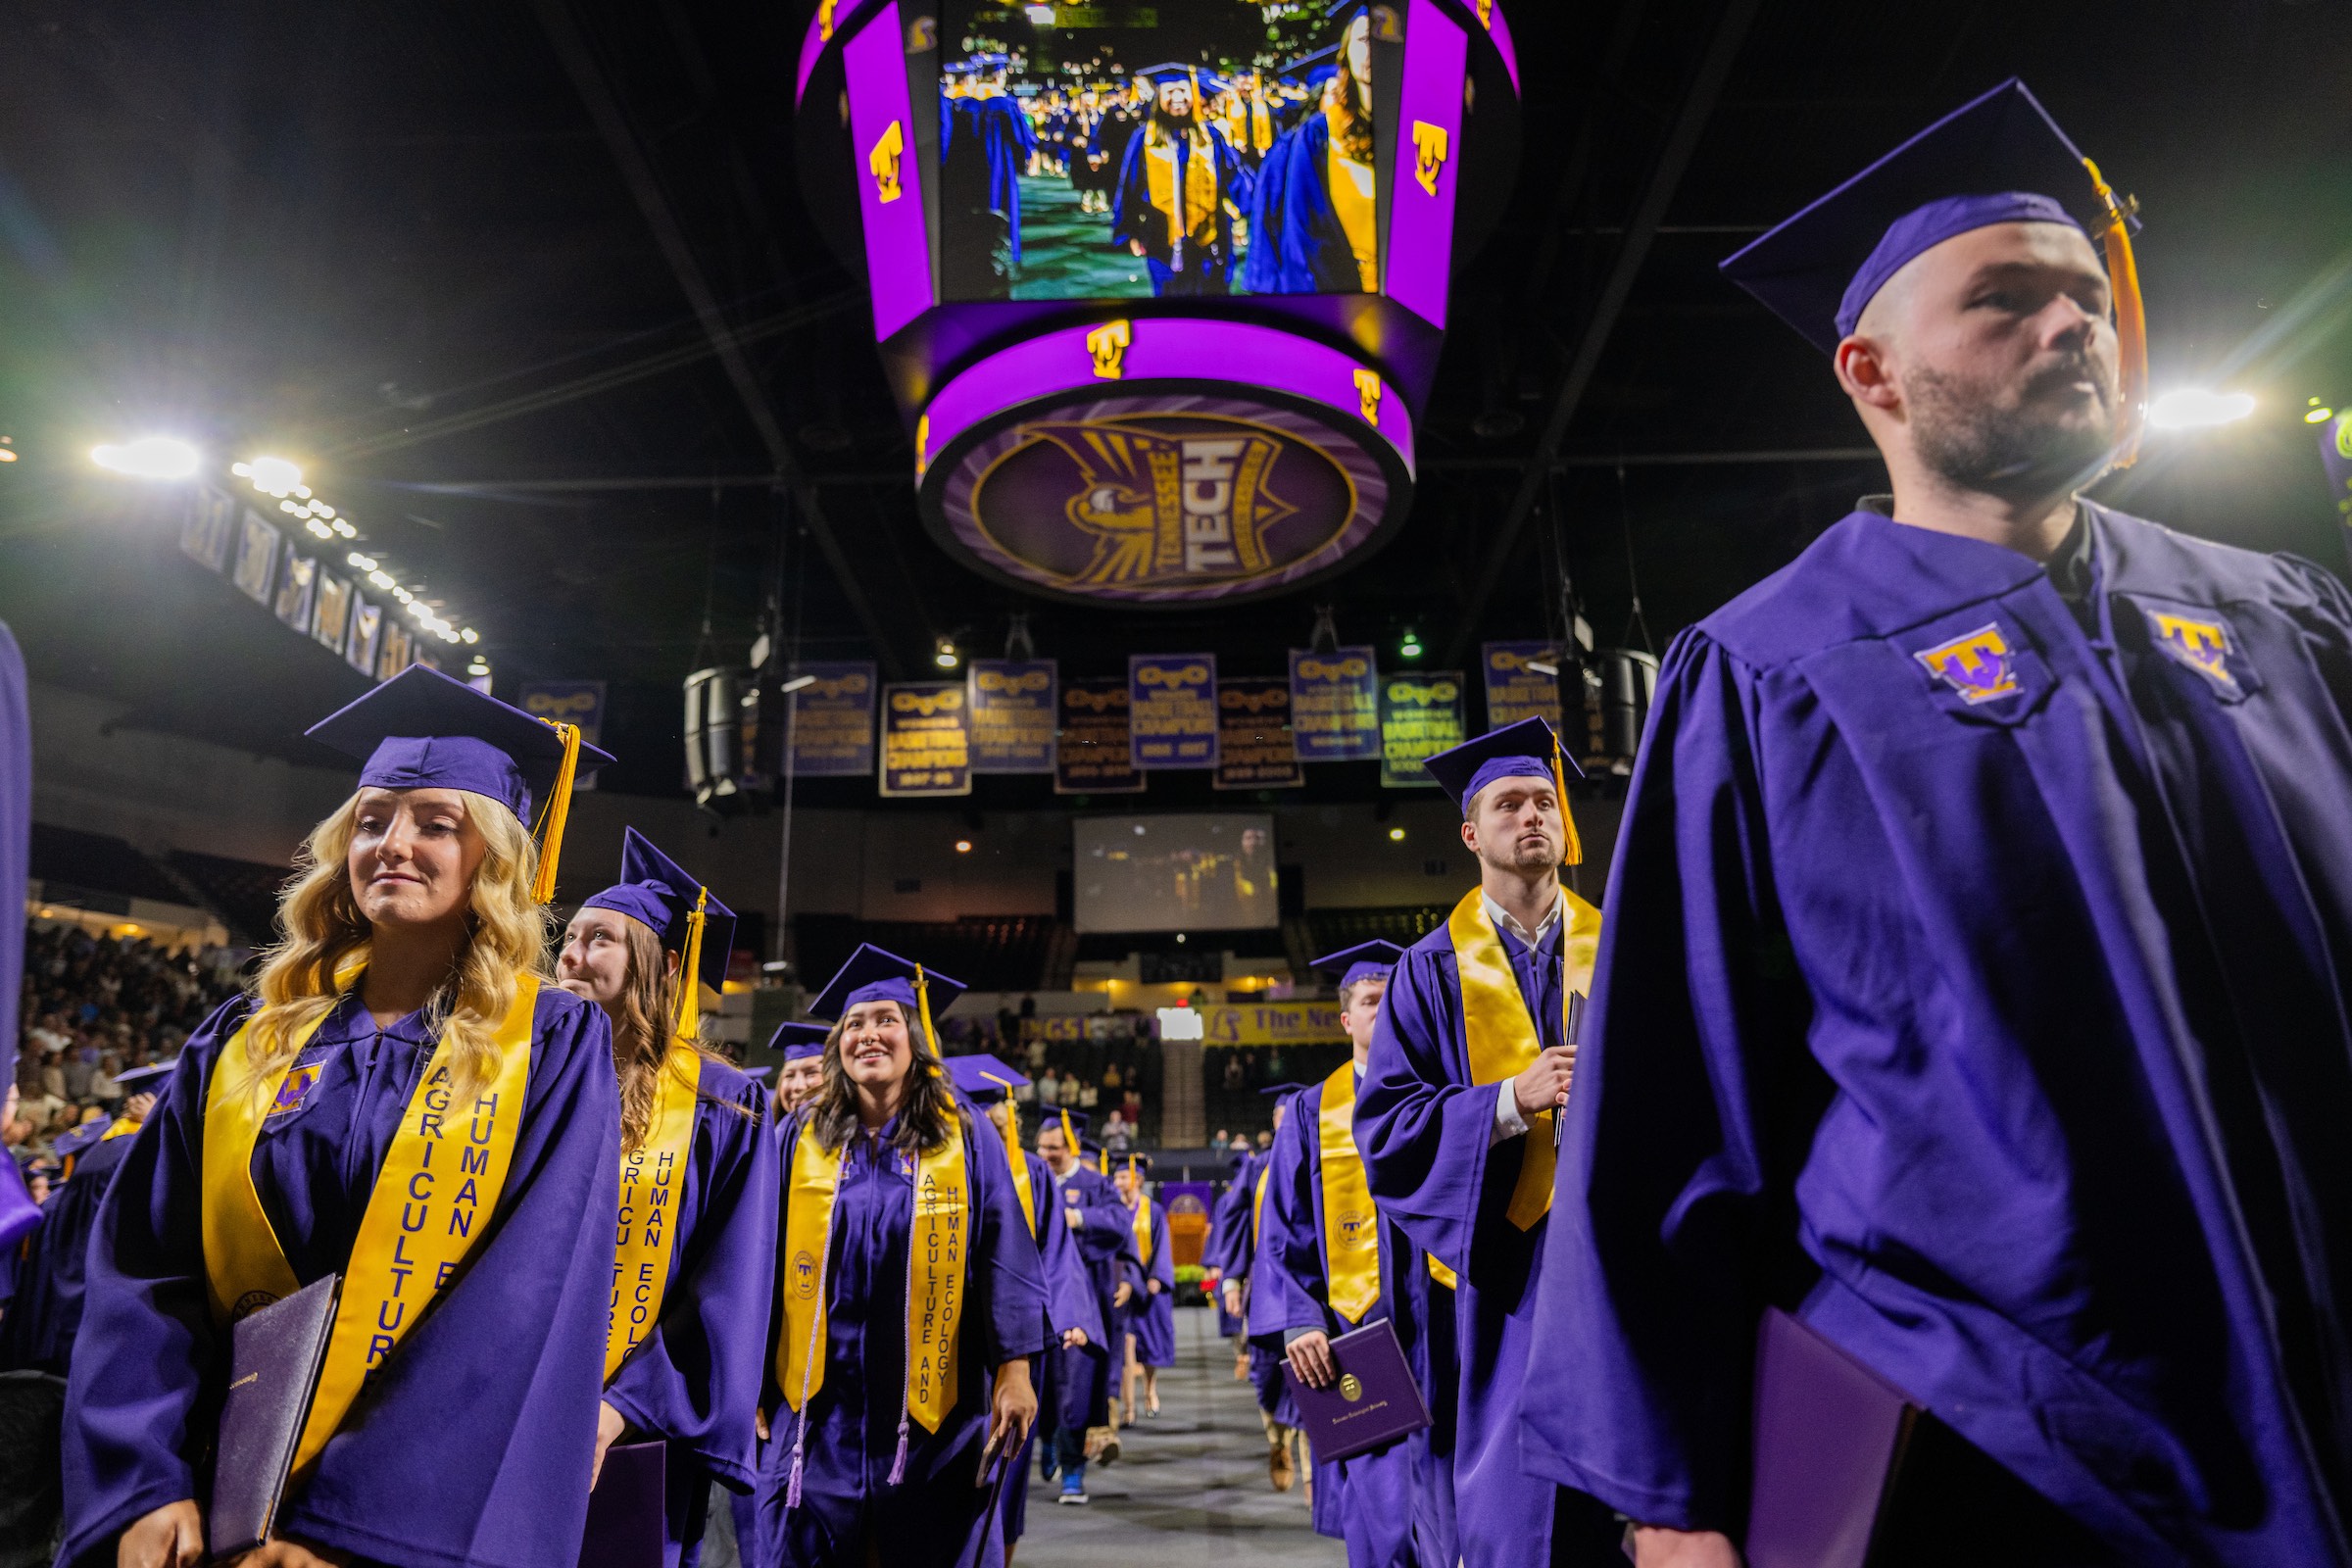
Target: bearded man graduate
1470, 1059
1972, 977
1081, 1378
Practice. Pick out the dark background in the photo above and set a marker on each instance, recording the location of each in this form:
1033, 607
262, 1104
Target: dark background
471, 265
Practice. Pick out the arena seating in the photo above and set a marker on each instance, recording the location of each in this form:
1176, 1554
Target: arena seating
1334, 929
243, 892
986, 952
69, 862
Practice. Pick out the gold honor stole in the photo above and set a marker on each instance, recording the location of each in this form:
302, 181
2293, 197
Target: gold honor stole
1258, 1205
421, 1219
1500, 1032
935, 1270
1354, 204
1143, 1225
1011, 1131
1199, 203
1350, 1225
652, 1176
121, 1125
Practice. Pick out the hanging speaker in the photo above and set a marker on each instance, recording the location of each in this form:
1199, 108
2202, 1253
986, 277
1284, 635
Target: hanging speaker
712, 735
1628, 681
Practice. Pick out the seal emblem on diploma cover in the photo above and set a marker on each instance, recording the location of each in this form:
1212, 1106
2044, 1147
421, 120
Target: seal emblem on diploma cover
1351, 1387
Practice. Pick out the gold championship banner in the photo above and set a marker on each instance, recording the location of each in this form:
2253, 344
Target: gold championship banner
442, 1175
1500, 1032
652, 1176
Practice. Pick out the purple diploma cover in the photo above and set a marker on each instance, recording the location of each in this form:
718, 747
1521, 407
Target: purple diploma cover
1830, 1438
1373, 1401
625, 1518
274, 1359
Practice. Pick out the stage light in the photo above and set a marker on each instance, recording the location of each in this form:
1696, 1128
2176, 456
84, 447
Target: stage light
151, 457
365, 563
1396, 835
303, 490
8, 454
319, 509
402, 593
2196, 407
2316, 416
243, 471
470, 635
381, 579
271, 475
345, 529
1410, 646
478, 666
963, 846
798, 683
947, 657
1540, 667
1180, 938
319, 528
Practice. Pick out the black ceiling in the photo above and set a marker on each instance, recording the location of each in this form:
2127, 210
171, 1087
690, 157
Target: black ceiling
463, 260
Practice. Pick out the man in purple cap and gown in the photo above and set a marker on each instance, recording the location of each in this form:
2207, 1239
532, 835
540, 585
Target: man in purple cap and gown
1246, 1195
1082, 1379
1330, 1265
696, 1242
1470, 1059
466, 1357
1973, 981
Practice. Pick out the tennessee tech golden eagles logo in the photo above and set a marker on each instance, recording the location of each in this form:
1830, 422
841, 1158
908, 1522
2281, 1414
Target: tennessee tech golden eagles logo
1169, 508
803, 1275
1980, 665
2202, 646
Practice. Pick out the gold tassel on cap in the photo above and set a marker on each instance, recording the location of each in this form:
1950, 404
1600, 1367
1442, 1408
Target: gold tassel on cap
922, 1005
2130, 313
690, 970
558, 807
1574, 853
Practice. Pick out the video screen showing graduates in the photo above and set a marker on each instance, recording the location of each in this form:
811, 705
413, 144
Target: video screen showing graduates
1195, 871
1187, 147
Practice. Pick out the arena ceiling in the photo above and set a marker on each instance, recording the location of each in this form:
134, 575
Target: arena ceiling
531, 292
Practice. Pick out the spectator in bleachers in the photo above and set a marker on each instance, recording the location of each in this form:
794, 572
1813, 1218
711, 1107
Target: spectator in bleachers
1111, 1074
1048, 1089
1118, 1136
1089, 1097
1219, 1143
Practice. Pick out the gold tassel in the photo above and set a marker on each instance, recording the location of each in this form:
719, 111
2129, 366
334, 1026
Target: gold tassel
2130, 315
1575, 854
1068, 1137
690, 970
922, 1005
552, 818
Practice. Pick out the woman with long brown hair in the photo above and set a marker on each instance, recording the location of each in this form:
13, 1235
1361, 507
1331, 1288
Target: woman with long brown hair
1314, 214
405, 1101
908, 1297
695, 1248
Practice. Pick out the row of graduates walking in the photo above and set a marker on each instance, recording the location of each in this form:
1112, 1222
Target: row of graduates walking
564, 1231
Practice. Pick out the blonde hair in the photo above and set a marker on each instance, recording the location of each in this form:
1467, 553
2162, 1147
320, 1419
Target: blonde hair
323, 939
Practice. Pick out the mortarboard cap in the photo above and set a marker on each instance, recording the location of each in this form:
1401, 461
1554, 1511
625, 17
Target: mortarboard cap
147, 1080
800, 1041
423, 730
758, 1074
2000, 159
1525, 750
982, 1076
79, 1138
661, 894
1366, 961
874, 975
1136, 1160
1284, 1089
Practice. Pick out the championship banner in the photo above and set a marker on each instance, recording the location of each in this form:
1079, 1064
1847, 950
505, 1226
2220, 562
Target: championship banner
205, 532
1254, 735
297, 588
567, 701
1420, 716
1515, 692
926, 749
1012, 709
833, 721
1092, 755
330, 614
1173, 709
257, 556
1273, 1023
1335, 706
367, 627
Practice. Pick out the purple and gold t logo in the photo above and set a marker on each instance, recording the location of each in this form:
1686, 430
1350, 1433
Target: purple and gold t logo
2200, 644
1978, 664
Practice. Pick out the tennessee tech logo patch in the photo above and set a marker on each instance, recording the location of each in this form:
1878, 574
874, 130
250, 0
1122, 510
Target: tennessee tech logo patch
1980, 665
300, 1081
2202, 646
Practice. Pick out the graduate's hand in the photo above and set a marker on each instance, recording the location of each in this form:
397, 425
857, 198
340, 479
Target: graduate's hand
1545, 1084
1016, 1406
1152, 1286
759, 1422
1074, 1339
1233, 1297
1123, 1295
1135, 245
1074, 1219
1655, 1546
610, 1425
1309, 1356
291, 1554
171, 1537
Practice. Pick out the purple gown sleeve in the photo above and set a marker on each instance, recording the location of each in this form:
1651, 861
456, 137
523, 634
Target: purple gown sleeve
1422, 1127
1005, 1270
1070, 1289
1163, 1262
696, 1379
1286, 1277
1649, 1298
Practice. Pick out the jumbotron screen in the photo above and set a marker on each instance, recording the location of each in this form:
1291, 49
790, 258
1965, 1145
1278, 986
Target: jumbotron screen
1181, 148
1181, 872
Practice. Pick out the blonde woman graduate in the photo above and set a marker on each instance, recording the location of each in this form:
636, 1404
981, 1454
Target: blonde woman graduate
405, 1100
908, 1299
695, 1246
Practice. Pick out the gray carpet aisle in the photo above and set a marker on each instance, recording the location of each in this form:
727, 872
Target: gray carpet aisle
1189, 1489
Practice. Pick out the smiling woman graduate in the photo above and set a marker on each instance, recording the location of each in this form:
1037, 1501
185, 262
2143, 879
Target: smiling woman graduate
694, 1250
404, 1015
908, 1297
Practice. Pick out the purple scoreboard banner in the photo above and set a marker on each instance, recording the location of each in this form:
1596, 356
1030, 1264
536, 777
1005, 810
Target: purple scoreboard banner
1334, 705
1173, 709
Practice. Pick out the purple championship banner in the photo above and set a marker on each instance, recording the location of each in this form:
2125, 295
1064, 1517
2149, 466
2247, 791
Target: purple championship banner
1254, 735
1514, 690
1092, 754
833, 719
1012, 711
926, 748
1172, 711
1334, 705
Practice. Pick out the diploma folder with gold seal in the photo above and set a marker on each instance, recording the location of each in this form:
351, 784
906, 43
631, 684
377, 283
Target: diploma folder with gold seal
1372, 1401
275, 1357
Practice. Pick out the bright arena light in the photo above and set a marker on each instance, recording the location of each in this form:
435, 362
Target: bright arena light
274, 476
152, 457
2194, 408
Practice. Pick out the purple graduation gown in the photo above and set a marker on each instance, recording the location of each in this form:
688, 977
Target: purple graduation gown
695, 1380
1227, 1237
1151, 1315
1422, 1128
47, 1313
1372, 1502
1069, 1305
1266, 1381
475, 1442
937, 1516
1083, 1379
2018, 1015
1297, 245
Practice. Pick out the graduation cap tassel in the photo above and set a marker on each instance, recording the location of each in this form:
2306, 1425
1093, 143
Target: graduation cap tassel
2130, 313
559, 808
690, 969
1575, 854
922, 1005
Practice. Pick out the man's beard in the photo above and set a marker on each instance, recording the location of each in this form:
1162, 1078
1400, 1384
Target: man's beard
1963, 434
1173, 124
1516, 856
